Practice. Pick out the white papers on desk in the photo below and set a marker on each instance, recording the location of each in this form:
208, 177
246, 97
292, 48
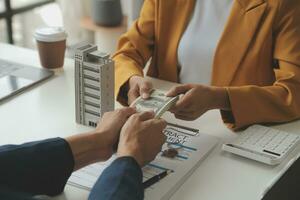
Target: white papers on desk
193, 149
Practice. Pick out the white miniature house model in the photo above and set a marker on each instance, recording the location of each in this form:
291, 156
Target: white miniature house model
94, 84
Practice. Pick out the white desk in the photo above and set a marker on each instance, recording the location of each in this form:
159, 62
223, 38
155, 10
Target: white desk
48, 111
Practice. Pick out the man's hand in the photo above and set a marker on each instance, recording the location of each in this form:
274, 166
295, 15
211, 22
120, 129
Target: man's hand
197, 99
138, 86
98, 145
109, 127
142, 137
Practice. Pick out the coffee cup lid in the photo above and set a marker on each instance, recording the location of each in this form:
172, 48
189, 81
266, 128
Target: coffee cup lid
50, 34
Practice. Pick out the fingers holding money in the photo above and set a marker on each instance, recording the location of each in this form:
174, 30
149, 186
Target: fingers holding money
133, 94
194, 102
143, 116
142, 137
145, 89
184, 102
159, 123
177, 90
138, 86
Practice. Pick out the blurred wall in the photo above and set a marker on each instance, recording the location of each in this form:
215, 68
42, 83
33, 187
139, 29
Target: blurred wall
132, 9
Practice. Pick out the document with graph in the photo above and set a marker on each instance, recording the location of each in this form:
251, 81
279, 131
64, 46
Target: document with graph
182, 153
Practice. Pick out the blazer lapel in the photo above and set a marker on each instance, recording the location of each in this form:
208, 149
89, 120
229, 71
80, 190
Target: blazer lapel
237, 36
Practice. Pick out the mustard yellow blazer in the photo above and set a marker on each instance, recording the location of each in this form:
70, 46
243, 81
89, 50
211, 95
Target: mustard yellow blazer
257, 57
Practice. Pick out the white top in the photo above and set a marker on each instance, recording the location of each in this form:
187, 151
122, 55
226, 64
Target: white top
199, 41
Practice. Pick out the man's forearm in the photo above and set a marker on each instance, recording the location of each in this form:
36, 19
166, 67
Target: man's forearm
41, 167
87, 149
121, 180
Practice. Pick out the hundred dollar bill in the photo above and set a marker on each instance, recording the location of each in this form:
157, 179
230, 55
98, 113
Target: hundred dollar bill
157, 102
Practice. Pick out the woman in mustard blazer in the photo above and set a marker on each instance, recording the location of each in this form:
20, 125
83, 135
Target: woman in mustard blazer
256, 66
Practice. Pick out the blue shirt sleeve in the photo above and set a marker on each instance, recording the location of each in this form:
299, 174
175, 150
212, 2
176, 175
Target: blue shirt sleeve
35, 168
122, 180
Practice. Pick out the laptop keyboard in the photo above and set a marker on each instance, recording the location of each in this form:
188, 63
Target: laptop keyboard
8, 67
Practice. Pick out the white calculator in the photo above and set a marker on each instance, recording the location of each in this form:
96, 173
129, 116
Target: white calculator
263, 144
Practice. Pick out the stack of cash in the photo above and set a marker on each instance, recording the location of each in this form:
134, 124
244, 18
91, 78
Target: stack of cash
157, 102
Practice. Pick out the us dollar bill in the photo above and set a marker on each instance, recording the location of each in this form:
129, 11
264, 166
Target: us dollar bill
157, 102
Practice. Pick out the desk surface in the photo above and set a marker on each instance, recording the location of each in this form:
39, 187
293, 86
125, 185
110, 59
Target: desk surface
48, 110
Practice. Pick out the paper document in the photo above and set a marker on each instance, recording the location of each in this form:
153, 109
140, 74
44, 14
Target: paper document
191, 147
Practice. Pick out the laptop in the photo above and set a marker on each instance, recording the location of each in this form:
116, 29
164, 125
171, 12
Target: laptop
15, 78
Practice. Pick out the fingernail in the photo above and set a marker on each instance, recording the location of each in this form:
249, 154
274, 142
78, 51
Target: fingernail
145, 95
152, 112
170, 93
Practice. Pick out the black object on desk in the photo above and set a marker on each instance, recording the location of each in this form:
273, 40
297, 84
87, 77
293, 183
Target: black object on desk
156, 178
288, 186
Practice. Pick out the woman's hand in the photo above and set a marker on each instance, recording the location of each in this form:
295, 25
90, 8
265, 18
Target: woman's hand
138, 86
197, 99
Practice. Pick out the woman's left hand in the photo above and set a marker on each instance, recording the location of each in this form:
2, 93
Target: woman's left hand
197, 99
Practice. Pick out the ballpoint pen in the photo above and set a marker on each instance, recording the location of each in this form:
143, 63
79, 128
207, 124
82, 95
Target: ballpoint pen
156, 178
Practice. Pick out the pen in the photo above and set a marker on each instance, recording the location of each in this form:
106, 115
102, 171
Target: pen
281, 173
156, 178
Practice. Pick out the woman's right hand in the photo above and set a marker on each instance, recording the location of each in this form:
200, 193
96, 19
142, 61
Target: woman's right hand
138, 86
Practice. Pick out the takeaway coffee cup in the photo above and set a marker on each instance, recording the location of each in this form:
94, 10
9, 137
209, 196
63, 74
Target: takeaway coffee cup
51, 42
